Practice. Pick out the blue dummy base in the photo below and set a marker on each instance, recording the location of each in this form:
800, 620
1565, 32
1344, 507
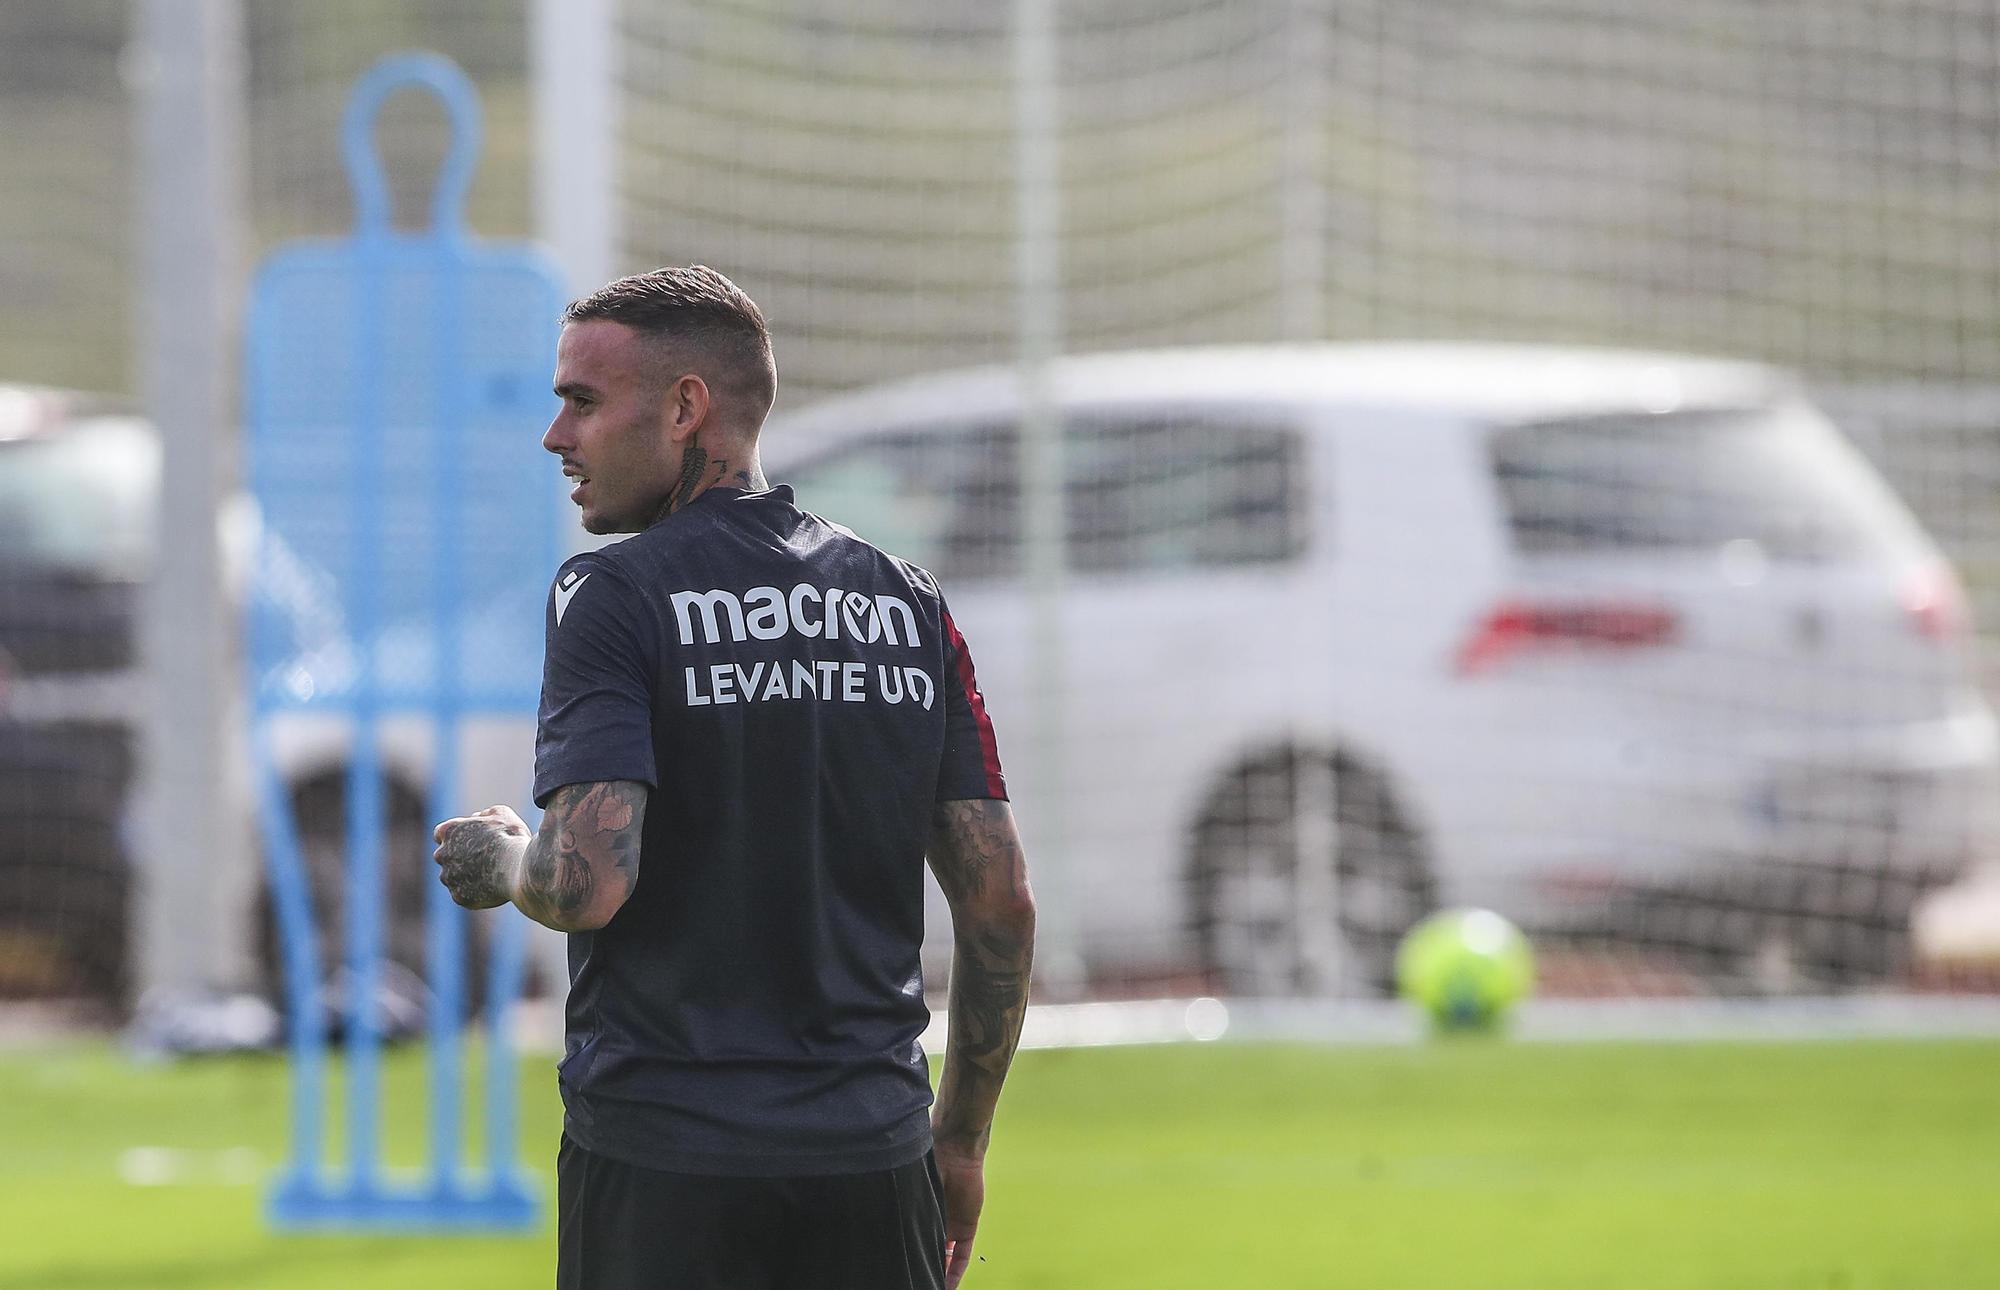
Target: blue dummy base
303, 1204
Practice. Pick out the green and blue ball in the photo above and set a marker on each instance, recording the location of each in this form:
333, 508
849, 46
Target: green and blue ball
1466, 968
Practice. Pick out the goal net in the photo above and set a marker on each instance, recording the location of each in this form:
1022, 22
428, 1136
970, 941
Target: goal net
72, 510
1673, 679
80, 882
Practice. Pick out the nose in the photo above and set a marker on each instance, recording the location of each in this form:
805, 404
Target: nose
556, 438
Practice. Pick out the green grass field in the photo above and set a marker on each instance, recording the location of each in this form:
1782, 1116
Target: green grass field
1837, 1166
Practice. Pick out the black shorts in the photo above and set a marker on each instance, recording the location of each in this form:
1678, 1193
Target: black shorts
622, 1227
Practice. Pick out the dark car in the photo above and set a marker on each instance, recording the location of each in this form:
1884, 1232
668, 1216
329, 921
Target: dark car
77, 482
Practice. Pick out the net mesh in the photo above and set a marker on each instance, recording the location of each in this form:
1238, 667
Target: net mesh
66, 254
301, 65
66, 757
302, 61
76, 502
1797, 182
1805, 184
1809, 184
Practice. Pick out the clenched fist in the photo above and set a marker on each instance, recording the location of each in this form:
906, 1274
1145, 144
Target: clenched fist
479, 856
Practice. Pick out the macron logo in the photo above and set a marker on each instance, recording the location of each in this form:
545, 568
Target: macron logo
818, 613
566, 591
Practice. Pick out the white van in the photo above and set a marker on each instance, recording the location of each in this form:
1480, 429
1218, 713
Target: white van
1614, 643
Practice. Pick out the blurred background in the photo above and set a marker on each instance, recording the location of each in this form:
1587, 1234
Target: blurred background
1535, 455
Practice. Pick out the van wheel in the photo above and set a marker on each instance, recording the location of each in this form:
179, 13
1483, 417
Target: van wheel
1305, 873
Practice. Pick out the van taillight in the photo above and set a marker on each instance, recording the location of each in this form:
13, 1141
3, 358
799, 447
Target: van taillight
1514, 628
1935, 603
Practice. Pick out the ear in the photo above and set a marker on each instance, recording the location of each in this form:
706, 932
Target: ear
687, 407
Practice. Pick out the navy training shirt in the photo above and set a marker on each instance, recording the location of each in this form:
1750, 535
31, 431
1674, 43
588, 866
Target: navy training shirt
798, 700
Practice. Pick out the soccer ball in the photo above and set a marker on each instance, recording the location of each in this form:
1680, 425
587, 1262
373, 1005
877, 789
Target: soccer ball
1465, 968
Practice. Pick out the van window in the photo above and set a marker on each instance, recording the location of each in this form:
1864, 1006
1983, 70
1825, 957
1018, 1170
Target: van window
1779, 477
947, 498
1153, 493
1179, 492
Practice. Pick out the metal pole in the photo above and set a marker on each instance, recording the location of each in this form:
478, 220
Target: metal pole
574, 62
574, 53
1039, 323
193, 860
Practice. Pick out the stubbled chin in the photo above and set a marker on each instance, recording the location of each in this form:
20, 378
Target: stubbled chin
599, 523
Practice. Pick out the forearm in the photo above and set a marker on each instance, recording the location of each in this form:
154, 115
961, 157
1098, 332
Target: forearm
498, 867
989, 1001
549, 886
581, 864
572, 874
976, 853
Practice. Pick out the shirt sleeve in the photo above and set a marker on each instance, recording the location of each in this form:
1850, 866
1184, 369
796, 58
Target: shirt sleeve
971, 765
596, 718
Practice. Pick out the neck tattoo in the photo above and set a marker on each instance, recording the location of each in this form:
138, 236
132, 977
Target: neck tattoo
694, 468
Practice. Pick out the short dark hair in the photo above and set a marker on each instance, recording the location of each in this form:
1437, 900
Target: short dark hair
693, 303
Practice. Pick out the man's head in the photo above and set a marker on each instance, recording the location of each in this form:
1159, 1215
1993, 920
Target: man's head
666, 378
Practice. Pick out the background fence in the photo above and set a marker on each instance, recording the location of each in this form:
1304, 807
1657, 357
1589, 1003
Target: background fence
1811, 183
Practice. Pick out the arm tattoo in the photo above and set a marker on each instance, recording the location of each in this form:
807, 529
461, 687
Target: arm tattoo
585, 855
976, 854
969, 839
